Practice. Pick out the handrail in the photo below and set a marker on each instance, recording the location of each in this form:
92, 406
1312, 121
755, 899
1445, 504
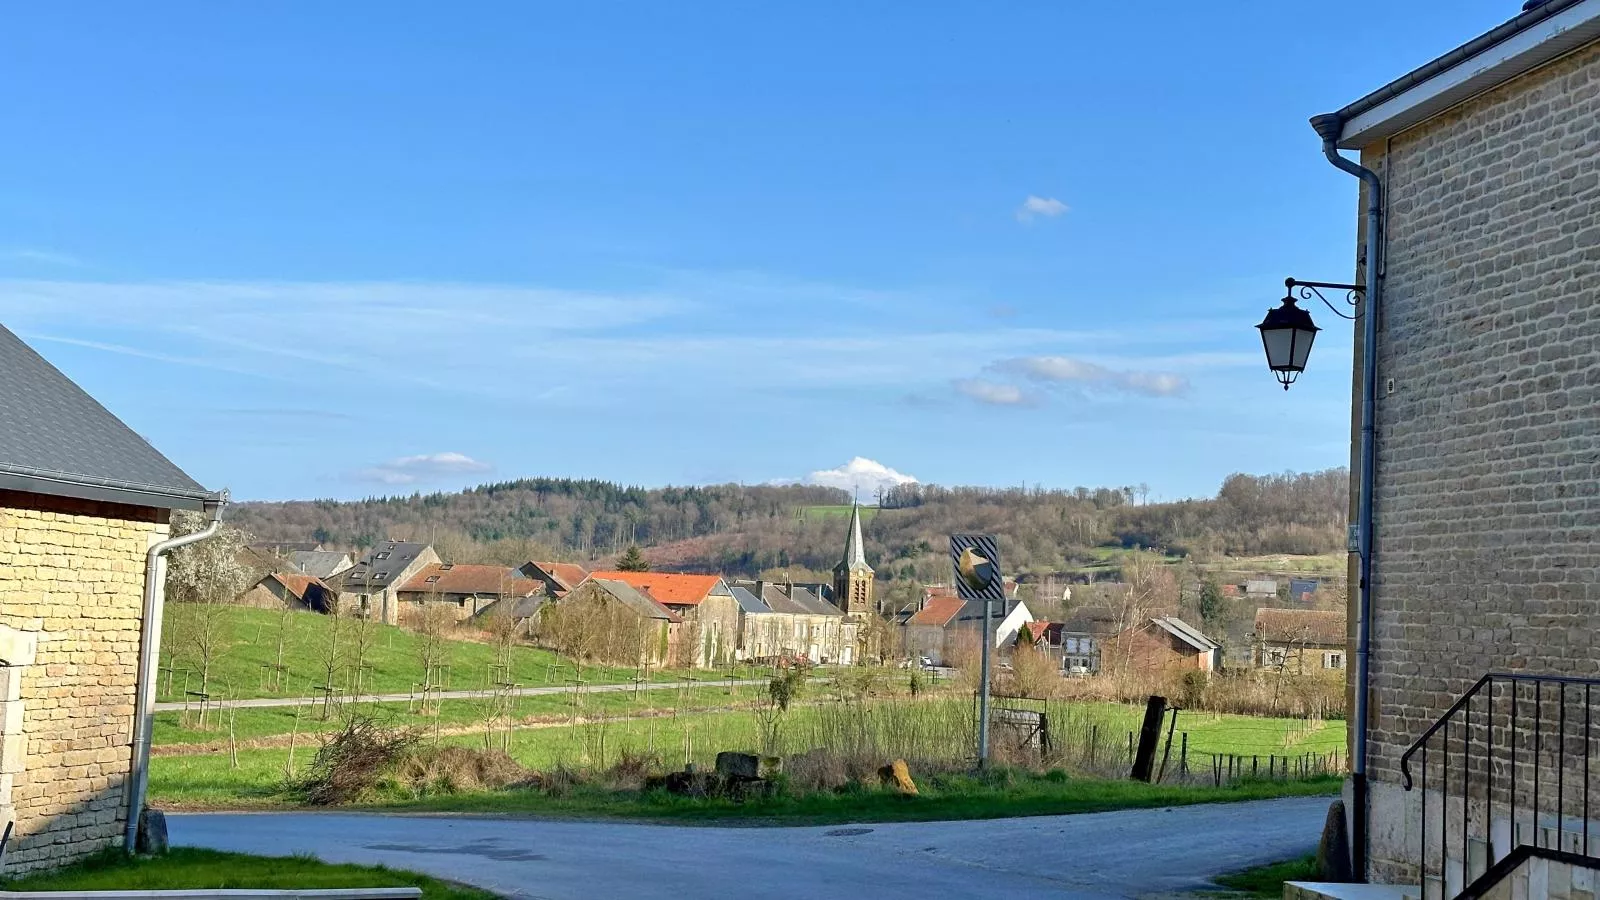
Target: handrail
1515, 677
1512, 861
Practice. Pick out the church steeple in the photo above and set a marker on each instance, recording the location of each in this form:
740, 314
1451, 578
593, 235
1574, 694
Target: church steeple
852, 577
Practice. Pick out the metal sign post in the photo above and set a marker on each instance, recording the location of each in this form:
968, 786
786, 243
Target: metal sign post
976, 560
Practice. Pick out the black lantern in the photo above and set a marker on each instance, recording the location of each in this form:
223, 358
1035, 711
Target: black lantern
1287, 334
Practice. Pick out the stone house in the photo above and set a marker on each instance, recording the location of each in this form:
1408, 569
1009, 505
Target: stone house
303, 592
706, 603
318, 563
372, 586
1298, 640
1486, 512
83, 503
946, 625
789, 620
1159, 645
464, 589
630, 622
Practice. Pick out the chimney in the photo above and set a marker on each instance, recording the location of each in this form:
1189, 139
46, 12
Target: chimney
761, 591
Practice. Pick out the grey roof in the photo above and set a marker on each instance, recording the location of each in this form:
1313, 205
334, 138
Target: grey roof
1186, 633
384, 571
55, 439
321, 563
1091, 620
812, 603
748, 602
521, 607
855, 553
791, 599
636, 600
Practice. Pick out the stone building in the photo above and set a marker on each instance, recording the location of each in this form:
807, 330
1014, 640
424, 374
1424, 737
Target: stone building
463, 589
372, 586
1298, 640
302, 592
83, 499
1487, 509
706, 603
789, 620
1160, 645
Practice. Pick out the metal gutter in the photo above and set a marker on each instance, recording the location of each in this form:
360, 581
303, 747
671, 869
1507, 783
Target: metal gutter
1536, 37
109, 490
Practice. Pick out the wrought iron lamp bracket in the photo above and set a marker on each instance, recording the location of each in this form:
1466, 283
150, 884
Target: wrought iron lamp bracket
1354, 295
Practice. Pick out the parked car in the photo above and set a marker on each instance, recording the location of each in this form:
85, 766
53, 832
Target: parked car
1077, 671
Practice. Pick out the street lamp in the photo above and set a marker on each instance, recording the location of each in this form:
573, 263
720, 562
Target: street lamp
1287, 332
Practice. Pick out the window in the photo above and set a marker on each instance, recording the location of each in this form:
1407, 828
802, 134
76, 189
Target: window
430, 579
1333, 660
383, 555
381, 575
1072, 645
447, 567
1276, 656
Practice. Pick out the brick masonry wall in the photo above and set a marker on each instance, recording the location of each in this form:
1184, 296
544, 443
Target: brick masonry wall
72, 572
1488, 491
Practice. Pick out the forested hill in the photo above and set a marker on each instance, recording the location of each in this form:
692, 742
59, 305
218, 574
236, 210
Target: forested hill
737, 529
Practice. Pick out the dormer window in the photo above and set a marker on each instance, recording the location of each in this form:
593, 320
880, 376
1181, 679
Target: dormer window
383, 555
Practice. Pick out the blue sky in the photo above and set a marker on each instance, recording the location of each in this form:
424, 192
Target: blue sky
330, 250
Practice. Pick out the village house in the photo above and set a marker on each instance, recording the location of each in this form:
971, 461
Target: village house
1298, 640
303, 592
1081, 636
557, 578
318, 563
945, 624
789, 620
629, 621
1479, 208
706, 603
371, 587
1158, 645
465, 590
84, 507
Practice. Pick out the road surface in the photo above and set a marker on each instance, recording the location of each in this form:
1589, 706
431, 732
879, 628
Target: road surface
1135, 853
262, 702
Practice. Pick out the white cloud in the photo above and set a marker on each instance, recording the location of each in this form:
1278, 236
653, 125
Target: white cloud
861, 473
422, 468
994, 393
42, 257
1066, 370
1049, 207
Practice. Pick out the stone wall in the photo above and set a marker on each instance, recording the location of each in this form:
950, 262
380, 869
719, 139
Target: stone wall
1488, 491
71, 579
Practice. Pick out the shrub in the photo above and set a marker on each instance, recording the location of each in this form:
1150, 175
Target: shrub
351, 762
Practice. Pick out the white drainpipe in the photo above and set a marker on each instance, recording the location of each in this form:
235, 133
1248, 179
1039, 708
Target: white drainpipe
144, 707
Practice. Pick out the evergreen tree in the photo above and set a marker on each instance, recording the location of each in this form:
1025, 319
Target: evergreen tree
1210, 601
633, 561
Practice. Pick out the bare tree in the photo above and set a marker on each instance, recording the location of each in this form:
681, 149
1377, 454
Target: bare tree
433, 624
331, 657
203, 579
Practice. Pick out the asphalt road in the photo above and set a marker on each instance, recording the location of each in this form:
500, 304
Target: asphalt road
1136, 853
261, 702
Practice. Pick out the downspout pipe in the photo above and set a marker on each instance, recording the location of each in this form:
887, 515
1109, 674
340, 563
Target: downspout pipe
1329, 127
149, 649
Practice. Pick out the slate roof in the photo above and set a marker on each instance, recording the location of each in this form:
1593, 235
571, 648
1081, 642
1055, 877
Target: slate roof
55, 439
855, 552
447, 578
1311, 626
521, 607
639, 602
786, 598
321, 563
399, 555
668, 587
1185, 632
748, 602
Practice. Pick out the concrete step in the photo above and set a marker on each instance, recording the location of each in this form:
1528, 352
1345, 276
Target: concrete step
1318, 890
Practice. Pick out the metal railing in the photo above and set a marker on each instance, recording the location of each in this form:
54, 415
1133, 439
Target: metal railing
1508, 765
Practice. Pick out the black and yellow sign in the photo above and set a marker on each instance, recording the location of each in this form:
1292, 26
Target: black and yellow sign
976, 558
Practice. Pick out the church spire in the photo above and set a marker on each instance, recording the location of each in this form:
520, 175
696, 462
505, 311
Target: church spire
855, 551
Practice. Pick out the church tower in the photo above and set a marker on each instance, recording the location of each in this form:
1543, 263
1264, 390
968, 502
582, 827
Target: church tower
852, 577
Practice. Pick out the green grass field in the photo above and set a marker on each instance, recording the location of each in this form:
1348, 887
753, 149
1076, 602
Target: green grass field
190, 869
824, 513
937, 729
277, 722
252, 640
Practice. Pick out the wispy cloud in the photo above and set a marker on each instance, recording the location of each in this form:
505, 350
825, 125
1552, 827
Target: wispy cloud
41, 257
867, 475
421, 469
993, 393
1047, 207
1067, 370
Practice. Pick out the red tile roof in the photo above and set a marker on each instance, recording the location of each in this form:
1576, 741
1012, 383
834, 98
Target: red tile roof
568, 575
1037, 630
1311, 626
297, 584
938, 611
668, 588
469, 579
